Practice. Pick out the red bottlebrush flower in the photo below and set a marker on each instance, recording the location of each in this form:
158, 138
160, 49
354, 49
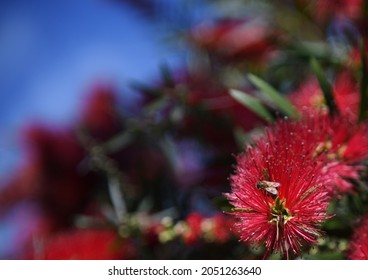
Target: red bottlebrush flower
194, 232
62, 190
99, 115
235, 39
338, 142
279, 198
358, 248
310, 99
51, 177
20, 187
354, 58
335, 174
84, 245
220, 228
324, 10
342, 8
351, 141
347, 95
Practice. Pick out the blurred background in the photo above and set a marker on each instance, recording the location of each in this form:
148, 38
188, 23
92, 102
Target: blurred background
52, 53
117, 132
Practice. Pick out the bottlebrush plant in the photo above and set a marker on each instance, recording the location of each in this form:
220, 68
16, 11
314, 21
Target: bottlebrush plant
256, 148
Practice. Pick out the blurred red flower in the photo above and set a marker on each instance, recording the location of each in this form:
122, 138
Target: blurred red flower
235, 39
309, 97
354, 58
345, 144
358, 248
325, 10
91, 244
335, 174
221, 230
100, 117
51, 177
194, 231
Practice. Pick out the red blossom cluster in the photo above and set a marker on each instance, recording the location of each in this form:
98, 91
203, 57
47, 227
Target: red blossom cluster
283, 183
91, 244
235, 39
317, 156
325, 9
310, 99
191, 231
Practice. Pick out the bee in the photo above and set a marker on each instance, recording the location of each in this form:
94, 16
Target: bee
268, 186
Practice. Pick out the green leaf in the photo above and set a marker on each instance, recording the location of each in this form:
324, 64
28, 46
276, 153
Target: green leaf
318, 50
365, 9
363, 83
273, 95
252, 104
119, 141
325, 86
325, 256
222, 203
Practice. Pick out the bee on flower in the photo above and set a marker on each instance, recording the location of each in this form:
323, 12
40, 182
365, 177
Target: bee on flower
279, 200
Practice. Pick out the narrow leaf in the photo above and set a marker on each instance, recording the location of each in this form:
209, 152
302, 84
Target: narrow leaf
252, 104
325, 86
365, 10
119, 141
273, 95
244, 210
363, 83
222, 203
